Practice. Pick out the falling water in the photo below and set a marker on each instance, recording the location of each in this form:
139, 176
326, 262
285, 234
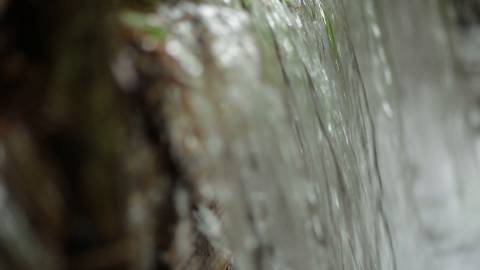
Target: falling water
333, 134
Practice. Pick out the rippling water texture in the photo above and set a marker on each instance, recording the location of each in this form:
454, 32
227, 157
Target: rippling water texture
334, 134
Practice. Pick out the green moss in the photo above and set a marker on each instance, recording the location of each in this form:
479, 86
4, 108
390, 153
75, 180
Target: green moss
134, 19
288, 3
141, 22
332, 42
247, 4
330, 33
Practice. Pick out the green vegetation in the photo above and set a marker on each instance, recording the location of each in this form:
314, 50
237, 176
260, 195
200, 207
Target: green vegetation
143, 22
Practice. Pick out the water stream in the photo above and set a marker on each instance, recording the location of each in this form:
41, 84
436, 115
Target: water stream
329, 134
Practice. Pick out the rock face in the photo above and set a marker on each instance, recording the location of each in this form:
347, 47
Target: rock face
237, 134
